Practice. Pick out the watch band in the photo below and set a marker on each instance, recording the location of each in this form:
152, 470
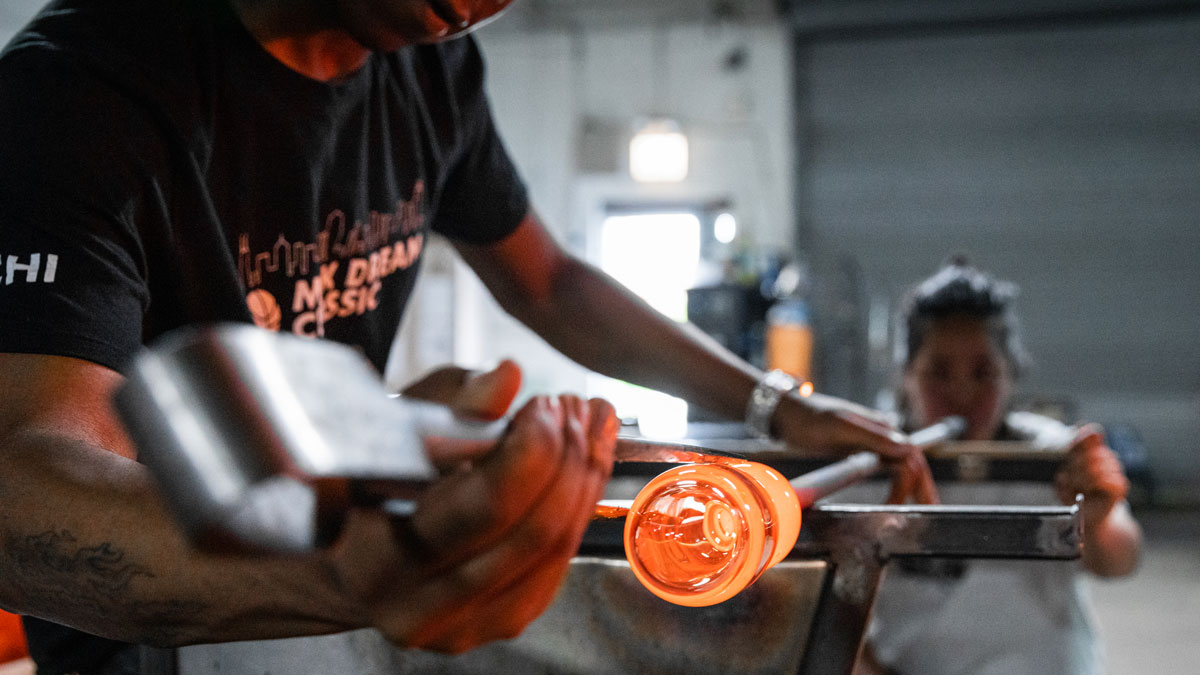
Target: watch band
765, 398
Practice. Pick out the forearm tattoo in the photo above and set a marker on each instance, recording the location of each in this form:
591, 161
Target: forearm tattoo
58, 571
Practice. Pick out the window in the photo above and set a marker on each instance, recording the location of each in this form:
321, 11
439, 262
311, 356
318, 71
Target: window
656, 254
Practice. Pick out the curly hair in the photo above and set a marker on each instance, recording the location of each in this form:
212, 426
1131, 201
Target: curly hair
958, 289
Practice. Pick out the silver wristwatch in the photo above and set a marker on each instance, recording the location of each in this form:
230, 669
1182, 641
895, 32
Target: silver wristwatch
765, 398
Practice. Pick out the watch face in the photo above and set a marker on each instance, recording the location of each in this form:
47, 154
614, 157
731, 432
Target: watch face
386, 25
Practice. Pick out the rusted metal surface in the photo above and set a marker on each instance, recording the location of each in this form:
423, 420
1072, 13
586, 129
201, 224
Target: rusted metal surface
602, 623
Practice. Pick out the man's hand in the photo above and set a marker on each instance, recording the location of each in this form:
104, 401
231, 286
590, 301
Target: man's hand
471, 394
841, 427
489, 544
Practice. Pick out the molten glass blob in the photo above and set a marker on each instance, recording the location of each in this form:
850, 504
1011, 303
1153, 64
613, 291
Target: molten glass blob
701, 533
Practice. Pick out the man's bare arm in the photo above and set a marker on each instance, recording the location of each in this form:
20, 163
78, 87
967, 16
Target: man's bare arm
595, 321
86, 540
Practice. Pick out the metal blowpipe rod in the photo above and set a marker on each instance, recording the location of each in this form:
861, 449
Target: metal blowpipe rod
435, 420
827, 480
809, 487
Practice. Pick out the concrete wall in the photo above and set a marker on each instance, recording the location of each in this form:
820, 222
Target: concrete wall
1063, 157
14, 14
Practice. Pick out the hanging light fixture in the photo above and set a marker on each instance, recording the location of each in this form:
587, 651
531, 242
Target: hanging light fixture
725, 227
658, 152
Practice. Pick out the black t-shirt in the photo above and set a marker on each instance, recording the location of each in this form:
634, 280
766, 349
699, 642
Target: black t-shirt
159, 168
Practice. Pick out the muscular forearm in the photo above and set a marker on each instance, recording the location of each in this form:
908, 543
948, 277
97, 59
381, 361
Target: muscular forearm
1111, 541
597, 323
601, 325
87, 542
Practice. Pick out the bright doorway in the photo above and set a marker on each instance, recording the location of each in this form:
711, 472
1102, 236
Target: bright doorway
656, 254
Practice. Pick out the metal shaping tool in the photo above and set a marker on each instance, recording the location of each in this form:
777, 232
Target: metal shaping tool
269, 438
244, 428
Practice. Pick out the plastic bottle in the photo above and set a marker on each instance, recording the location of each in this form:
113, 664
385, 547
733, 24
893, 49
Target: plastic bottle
699, 534
789, 339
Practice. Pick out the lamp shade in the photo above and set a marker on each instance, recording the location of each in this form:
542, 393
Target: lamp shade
658, 152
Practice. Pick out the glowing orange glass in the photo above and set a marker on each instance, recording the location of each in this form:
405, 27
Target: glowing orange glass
699, 534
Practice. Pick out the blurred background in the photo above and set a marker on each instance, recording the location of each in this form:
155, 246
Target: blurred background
809, 160
859, 144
